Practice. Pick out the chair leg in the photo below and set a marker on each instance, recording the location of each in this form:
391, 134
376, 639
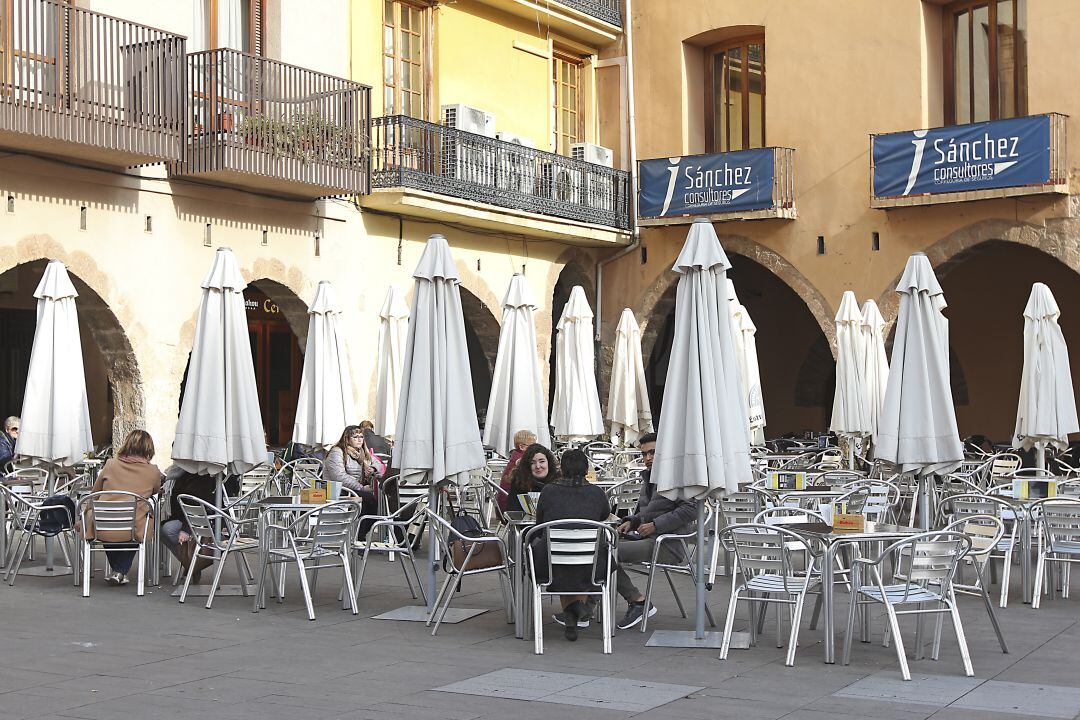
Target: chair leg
86, 570
607, 612
648, 594
818, 602
935, 648
346, 571
793, 638
260, 588
675, 593
853, 610
141, 559
219, 566
1006, 573
304, 587
729, 622
538, 622
1037, 590
961, 640
990, 610
456, 583
779, 611
408, 580
190, 572
242, 571
901, 654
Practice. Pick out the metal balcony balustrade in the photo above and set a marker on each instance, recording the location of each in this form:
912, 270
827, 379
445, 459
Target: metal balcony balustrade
89, 86
607, 10
412, 153
265, 125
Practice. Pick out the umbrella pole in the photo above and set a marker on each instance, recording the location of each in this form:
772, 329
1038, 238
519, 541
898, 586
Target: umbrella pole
924, 502
1040, 455
699, 586
433, 506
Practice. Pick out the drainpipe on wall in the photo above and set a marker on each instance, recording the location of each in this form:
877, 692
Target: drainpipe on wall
632, 131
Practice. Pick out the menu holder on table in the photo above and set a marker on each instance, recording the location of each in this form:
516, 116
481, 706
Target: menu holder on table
528, 502
786, 480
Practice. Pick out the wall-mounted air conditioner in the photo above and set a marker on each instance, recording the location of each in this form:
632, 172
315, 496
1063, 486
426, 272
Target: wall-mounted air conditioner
595, 154
466, 158
517, 166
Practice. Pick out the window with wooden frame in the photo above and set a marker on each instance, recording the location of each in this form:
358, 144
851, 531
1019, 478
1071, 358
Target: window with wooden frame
735, 94
236, 24
985, 60
405, 71
567, 78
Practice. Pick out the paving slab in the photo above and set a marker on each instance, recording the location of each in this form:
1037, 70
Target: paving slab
922, 689
1051, 701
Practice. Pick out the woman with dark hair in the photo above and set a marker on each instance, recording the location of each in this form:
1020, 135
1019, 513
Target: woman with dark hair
535, 470
349, 463
571, 498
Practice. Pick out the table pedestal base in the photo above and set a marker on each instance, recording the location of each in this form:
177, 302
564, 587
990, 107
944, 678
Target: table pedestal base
687, 639
419, 613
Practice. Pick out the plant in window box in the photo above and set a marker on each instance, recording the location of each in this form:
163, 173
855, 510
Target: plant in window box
307, 137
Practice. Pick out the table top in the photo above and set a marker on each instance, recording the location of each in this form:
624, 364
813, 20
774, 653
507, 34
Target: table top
871, 531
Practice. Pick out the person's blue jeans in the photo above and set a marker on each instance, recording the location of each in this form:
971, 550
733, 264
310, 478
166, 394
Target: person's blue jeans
120, 560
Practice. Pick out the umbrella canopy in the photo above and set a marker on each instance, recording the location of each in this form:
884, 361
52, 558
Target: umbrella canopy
576, 410
917, 428
850, 406
325, 405
220, 427
393, 334
55, 428
437, 434
628, 408
703, 445
874, 363
1047, 410
744, 336
517, 397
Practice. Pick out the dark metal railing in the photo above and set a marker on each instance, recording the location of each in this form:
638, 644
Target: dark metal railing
254, 115
70, 74
607, 10
407, 152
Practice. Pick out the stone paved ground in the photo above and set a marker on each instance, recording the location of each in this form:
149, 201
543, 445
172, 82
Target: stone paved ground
115, 655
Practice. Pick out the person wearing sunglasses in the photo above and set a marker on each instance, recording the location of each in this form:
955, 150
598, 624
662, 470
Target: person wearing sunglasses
654, 515
8, 438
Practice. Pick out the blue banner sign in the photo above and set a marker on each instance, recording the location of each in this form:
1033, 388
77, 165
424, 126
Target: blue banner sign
705, 184
980, 156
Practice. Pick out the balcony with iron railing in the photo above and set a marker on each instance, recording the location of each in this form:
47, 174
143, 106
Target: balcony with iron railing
86, 86
444, 161
263, 125
594, 22
609, 11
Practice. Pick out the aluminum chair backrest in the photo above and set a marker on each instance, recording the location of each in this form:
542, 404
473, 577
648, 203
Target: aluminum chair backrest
786, 515
118, 514
1059, 523
972, 504
881, 497
764, 550
1069, 488
857, 500
332, 526
1003, 464
934, 558
33, 479
200, 516
600, 454
984, 531
411, 492
838, 477
625, 495
740, 508
576, 543
256, 479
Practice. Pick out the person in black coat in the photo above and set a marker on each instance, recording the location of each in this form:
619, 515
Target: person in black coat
570, 498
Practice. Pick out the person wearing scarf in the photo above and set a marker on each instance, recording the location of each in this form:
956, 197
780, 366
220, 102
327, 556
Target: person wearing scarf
349, 463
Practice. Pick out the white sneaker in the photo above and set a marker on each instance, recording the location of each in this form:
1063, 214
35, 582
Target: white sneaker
115, 579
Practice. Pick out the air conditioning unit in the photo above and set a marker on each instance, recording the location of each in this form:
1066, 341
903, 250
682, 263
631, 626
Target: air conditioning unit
595, 154
560, 183
468, 159
469, 119
517, 169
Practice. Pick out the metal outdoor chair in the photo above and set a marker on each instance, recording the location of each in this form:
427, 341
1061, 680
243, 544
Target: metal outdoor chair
204, 520
1058, 533
766, 576
933, 559
737, 508
407, 494
881, 500
387, 537
456, 571
684, 563
624, 495
113, 511
569, 544
961, 506
31, 518
985, 533
298, 474
314, 540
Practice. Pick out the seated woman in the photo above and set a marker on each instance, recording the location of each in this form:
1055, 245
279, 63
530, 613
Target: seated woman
130, 471
175, 533
349, 463
571, 498
522, 440
535, 469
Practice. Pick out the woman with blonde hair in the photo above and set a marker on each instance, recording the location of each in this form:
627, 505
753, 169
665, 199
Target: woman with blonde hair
130, 471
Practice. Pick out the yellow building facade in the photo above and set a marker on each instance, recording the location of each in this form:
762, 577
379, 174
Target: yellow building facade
821, 77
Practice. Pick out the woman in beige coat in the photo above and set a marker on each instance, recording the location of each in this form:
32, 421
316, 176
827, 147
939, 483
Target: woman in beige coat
130, 471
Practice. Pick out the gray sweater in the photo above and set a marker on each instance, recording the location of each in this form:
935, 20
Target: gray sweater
669, 516
339, 467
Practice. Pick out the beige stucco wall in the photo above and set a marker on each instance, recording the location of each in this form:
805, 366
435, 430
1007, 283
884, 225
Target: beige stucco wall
836, 72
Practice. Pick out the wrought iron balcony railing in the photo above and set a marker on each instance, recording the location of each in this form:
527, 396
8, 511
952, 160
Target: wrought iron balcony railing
81, 84
412, 153
606, 10
265, 125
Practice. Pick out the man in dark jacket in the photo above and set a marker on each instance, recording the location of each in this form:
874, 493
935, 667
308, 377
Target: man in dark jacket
9, 436
654, 515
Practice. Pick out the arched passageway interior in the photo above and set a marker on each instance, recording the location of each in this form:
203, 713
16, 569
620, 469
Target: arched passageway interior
796, 363
482, 339
276, 352
986, 288
113, 383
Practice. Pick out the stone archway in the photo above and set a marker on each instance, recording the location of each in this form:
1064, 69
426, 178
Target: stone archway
117, 405
482, 338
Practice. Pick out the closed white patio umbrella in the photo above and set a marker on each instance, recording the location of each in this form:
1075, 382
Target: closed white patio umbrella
55, 421
220, 427
517, 398
917, 429
628, 409
438, 438
575, 412
849, 413
875, 362
1047, 410
393, 333
744, 334
325, 405
703, 444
